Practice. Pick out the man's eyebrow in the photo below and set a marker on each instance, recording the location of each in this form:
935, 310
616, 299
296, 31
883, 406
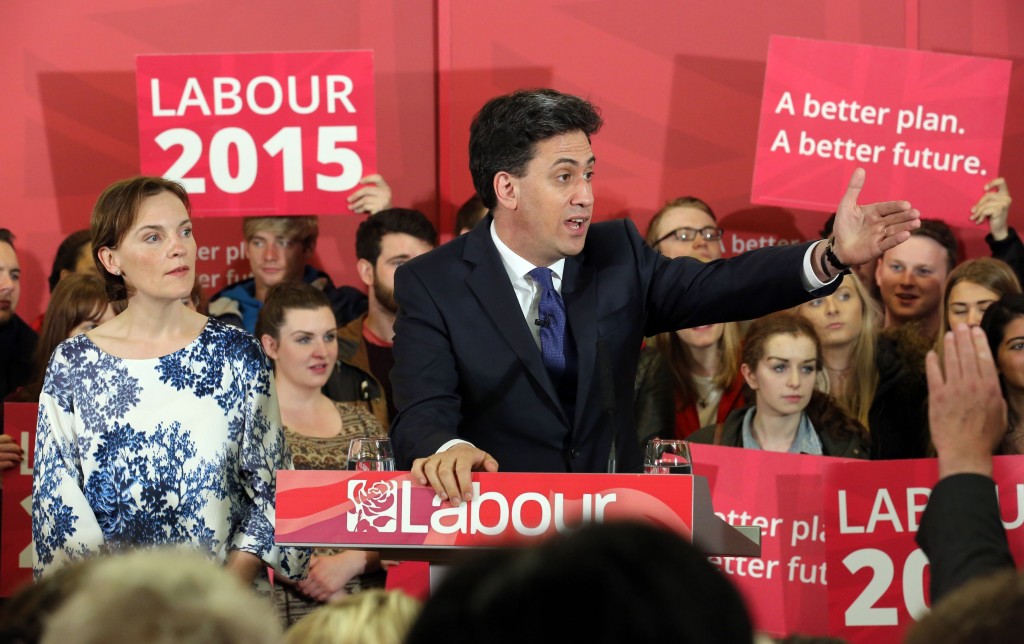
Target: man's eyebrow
572, 162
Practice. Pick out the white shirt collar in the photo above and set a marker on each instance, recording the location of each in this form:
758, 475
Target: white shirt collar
517, 267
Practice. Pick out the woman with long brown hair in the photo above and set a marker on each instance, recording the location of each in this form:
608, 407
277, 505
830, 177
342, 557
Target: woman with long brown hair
781, 359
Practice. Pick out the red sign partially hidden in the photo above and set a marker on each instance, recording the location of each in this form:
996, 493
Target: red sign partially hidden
259, 134
878, 577
927, 127
16, 537
781, 494
391, 510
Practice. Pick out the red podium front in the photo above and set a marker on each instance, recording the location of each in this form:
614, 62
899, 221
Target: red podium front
388, 511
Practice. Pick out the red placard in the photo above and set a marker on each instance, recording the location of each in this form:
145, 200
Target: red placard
389, 509
16, 537
927, 127
878, 577
780, 493
259, 134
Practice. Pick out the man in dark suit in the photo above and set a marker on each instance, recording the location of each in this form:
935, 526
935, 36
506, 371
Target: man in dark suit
518, 342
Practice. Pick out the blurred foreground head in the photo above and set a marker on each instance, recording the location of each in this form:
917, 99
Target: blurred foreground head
162, 596
605, 583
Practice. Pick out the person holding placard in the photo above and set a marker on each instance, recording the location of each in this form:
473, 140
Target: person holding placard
279, 250
1002, 240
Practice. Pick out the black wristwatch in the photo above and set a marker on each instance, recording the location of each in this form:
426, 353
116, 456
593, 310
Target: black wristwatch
831, 258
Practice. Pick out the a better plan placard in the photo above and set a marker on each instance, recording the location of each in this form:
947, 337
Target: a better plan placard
926, 127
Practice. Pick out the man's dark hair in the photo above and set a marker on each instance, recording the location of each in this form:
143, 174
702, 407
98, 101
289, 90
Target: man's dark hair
469, 214
67, 254
505, 132
393, 220
7, 237
939, 232
602, 583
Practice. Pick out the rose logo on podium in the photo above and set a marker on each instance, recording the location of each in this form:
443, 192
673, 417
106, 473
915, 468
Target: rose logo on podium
376, 506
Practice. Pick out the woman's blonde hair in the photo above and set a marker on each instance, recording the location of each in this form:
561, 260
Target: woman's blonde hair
374, 616
681, 362
856, 401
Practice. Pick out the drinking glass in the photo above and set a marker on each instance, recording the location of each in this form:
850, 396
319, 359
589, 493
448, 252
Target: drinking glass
370, 454
664, 456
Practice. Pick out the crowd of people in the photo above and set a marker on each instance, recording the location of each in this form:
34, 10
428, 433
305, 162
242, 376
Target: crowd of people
538, 340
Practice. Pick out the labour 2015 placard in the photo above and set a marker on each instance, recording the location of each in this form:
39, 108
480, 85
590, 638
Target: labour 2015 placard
259, 134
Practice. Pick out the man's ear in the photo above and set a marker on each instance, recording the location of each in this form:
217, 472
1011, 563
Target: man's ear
749, 376
109, 260
308, 249
506, 189
366, 272
269, 345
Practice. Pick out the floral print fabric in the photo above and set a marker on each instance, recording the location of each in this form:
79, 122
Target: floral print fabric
178, 449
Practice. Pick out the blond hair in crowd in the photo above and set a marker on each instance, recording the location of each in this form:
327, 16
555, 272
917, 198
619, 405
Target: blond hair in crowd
371, 617
162, 596
858, 396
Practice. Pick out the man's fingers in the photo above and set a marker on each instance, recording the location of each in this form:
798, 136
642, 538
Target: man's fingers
446, 478
464, 474
933, 372
853, 189
417, 471
490, 464
432, 470
951, 361
999, 183
893, 241
966, 353
986, 362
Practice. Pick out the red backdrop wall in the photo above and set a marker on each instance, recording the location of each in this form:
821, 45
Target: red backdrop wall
679, 82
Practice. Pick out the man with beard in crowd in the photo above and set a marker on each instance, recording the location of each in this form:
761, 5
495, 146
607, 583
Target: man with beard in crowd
385, 241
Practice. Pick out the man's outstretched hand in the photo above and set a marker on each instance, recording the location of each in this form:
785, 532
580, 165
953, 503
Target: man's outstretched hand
863, 233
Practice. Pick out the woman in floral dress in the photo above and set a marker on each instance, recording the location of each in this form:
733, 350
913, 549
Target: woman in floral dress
159, 426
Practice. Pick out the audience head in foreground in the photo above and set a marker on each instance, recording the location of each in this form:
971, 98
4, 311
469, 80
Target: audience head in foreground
605, 583
374, 616
162, 596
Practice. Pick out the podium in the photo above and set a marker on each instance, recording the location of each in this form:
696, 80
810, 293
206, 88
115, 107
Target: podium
390, 513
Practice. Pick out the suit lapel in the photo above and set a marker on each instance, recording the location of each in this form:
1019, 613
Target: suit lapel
579, 291
489, 282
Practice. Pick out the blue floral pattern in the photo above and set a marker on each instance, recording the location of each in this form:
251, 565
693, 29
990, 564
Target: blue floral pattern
178, 449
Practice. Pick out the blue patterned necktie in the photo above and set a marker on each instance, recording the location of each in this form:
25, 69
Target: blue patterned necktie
551, 318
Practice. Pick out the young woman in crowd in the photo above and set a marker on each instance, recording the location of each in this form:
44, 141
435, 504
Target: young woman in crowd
299, 334
867, 374
158, 426
971, 288
78, 304
1003, 324
780, 363
847, 325
73, 256
689, 378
